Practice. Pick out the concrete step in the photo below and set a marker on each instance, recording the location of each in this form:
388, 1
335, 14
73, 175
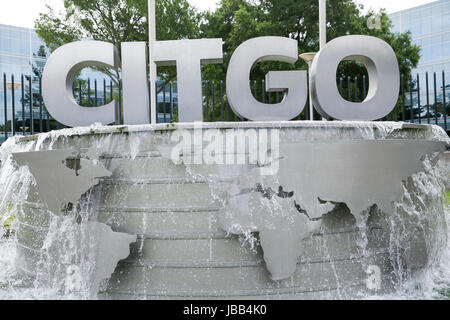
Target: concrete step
124, 195
33, 214
251, 280
31, 237
299, 293
155, 167
232, 250
200, 220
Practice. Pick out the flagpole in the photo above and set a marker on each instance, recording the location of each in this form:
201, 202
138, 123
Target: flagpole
323, 23
152, 71
323, 26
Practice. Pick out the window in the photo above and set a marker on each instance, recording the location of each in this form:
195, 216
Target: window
39, 50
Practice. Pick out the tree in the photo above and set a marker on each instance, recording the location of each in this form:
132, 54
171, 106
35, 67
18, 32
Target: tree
117, 21
239, 20
235, 21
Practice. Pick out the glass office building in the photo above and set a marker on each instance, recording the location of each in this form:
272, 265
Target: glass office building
430, 28
21, 53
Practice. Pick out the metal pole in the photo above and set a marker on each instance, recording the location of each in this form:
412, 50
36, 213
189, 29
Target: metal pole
349, 88
171, 102
104, 91
80, 92
311, 107
323, 26
153, 72
119, 106
164, 103
418, 99
213, 117
89, 93
444, 100
428, 98
41, 124
110, 90
411, 97
323, 22
95, 93
263, 91
402, 81
23, 104
13, 105
364, 88
435, 99
221, 101
207, 100
5, 105
31, 106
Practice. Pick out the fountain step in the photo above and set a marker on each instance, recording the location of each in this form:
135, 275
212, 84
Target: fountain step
132, 221
232, 250
158, 167
226, 250
214, 280
31, 237
208, 247
185, 209
177, 224
297, 293
194, 264
165, 195
161, 180
33, 215
173, 248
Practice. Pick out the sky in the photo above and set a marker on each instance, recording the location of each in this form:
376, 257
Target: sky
390, 5
22, 13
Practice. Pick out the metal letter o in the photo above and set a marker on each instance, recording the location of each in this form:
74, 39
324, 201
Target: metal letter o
381, 62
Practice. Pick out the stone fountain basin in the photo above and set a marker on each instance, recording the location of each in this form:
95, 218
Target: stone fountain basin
206, 231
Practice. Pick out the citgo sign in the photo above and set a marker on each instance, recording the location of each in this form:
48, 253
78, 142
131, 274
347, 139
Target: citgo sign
188, 55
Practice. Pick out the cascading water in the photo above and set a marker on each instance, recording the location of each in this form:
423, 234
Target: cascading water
70, 244
423, 192
65, 250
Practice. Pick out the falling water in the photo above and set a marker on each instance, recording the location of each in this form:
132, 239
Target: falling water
423, 192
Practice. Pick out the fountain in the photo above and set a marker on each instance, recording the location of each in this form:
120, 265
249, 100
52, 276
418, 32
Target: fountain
354, 210
260, 209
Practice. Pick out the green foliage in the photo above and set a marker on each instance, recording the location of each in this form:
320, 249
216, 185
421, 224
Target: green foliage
235, 21
239, 20
117, 21
10, 218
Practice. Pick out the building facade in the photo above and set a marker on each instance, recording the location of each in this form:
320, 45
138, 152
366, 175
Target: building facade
430, 29
21, 53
